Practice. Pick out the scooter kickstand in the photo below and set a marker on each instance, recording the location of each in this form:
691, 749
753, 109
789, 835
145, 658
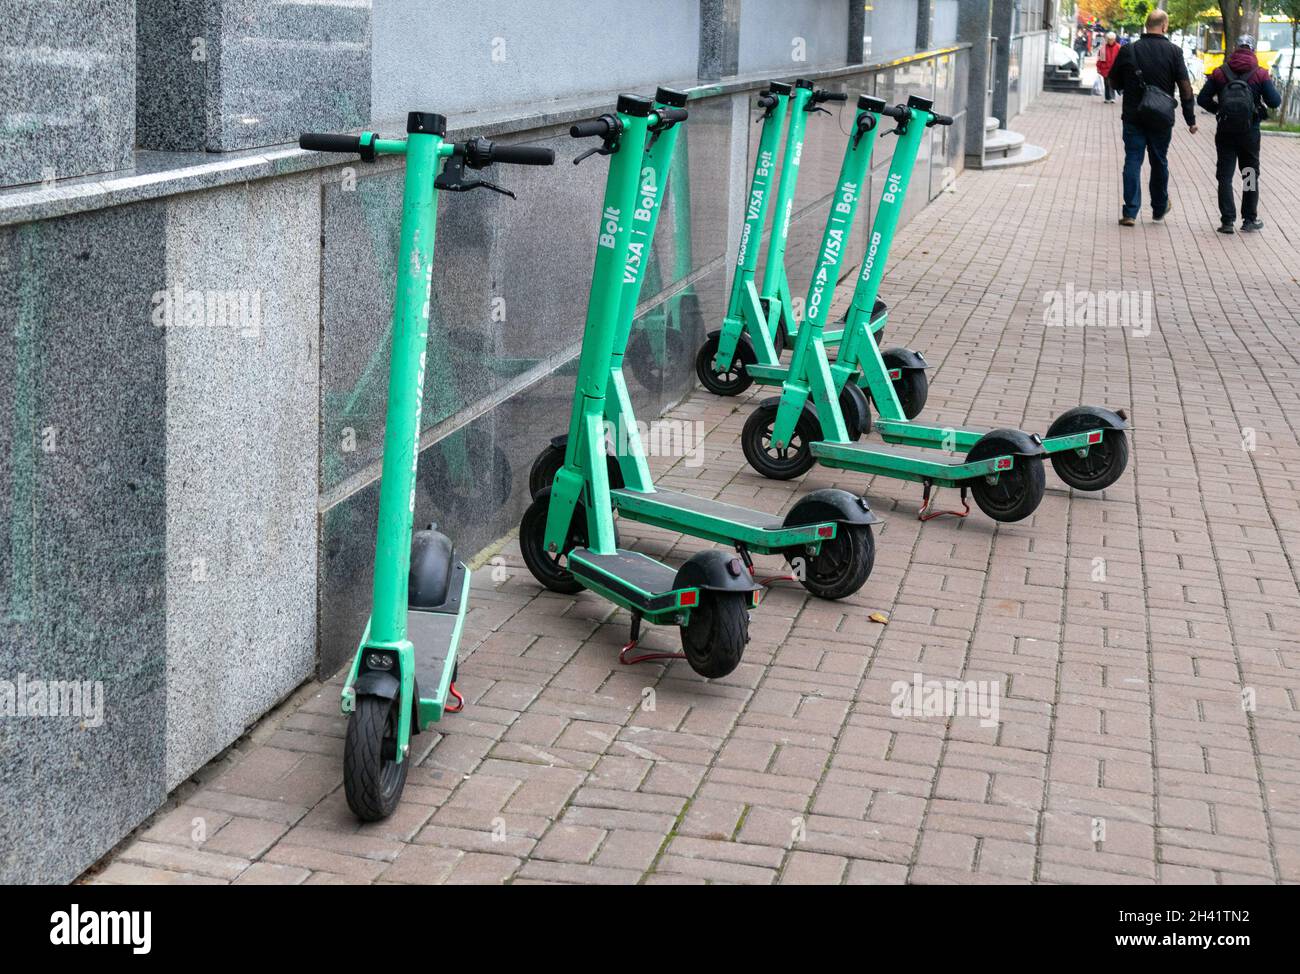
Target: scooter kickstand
644, 657
926, 514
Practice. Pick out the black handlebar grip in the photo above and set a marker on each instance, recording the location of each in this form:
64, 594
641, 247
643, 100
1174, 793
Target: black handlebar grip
940, 120
523, 155
823, 95
766, 100
898, 112
326, 142
590, 127
672, 115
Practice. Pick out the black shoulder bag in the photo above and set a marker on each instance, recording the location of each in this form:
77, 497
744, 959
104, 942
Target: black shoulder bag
1157, 107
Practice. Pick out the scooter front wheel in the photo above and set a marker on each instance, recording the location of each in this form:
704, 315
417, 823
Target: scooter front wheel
731, 381
714, 639
545, 565
794, 459
1017, 492
1103, 465
841, 567
373, 778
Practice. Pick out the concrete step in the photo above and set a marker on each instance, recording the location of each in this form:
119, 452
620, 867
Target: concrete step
992, 124
1003, 142
1027, 155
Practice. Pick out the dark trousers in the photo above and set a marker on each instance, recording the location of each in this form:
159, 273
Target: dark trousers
1110, 92
1239, 151
1153, 145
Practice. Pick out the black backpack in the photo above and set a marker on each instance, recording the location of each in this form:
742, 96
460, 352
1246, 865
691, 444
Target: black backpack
1236, 104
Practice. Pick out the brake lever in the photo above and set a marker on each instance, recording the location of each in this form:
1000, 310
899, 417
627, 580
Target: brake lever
813, 109
454, 180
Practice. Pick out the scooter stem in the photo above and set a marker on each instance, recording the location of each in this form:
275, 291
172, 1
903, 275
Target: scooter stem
406, 378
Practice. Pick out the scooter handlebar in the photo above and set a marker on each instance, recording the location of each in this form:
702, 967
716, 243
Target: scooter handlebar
671, 116
523, 155
601, 127
821, 95
939, 120
329, 142
896, 112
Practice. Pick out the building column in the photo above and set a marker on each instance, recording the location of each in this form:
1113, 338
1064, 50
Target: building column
924, 24
857, 30
719, 39
1004, 12
974, 20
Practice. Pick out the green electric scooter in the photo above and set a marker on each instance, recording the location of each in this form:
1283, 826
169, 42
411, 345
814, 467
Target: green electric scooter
760, 322
786, 435
1002, 468
567, 536
404, 669
826, 536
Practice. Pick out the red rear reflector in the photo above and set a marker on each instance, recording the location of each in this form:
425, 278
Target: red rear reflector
825, 532
1094, 437
895, 374
688, 598
1003, 465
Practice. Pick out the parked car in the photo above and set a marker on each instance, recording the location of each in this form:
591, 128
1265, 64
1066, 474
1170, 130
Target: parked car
1063, 58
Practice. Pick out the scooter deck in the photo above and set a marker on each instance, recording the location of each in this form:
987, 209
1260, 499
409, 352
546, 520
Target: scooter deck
775, 375
717, 521
907, 463
435, 635
632, 580
910, 433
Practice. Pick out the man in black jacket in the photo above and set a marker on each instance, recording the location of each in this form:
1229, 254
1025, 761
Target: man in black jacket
1150, 61
1237, 140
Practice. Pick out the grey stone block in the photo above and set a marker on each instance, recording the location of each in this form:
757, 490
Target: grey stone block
82, 587
220, 75
67, 88
242, 400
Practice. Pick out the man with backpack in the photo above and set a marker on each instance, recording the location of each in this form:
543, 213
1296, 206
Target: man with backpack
1147, 72
1237, 94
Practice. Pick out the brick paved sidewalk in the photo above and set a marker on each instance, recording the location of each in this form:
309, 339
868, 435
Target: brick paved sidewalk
1122, 629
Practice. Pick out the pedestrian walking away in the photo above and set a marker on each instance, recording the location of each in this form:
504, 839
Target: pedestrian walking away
1147, 72
1239, 95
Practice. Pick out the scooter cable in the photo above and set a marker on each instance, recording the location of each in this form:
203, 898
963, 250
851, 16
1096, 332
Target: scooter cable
460, 701
926, 514
644, 657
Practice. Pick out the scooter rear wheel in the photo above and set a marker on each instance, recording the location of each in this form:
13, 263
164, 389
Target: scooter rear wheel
794, 460
731, 382
545, 565
1103, 465
714, 639
855, 409
842, 566
373, 778
1017, 493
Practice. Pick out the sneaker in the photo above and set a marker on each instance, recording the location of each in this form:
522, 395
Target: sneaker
1159, 216
1126, 221
1248, 225
1226, 228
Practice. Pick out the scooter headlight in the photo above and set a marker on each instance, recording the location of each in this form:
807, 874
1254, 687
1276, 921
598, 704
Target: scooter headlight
379, 661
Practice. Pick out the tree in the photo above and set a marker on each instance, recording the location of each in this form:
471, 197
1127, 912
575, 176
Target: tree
1183, 13
1239, 18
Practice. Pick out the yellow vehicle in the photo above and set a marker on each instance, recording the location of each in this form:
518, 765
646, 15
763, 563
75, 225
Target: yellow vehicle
1274, 35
